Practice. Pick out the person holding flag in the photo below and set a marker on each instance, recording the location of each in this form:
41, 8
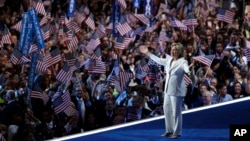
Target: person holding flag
175, 90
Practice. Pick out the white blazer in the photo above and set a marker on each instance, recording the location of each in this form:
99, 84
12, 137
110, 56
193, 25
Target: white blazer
174, 84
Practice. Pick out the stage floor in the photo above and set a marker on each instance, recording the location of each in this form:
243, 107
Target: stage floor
210, 123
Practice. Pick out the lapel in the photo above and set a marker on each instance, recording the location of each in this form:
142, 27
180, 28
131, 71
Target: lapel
169, 64
175, 64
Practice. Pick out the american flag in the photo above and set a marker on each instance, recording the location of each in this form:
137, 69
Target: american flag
122, 42
140, 30
40, 67
206, 60
62, 102
37, 92
70, 59
79, 17
97, 55
163, 36
142, 18
64, 74
119, 44
94, 41
63, 19
78, 64
6, 36
139, 72
70, 111
114, 75
190, 20
131, 18
40, 8
123, 26
73, 43
153, 73
95, 66
125, 78
109, 28
46, 31
225, 15
73, 26
76, 28
122, 3
90, 21
247, 53
69, 34
150, 28
176, 23
187, 80
18, 25
86, 10
152, 62
144, 65
18, 58
117, 85
52, 57
33, 48
101, 30
43, 21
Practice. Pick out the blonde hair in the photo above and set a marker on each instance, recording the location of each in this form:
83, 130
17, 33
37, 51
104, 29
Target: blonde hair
179, 47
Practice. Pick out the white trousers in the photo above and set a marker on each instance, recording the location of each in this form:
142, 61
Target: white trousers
172, 107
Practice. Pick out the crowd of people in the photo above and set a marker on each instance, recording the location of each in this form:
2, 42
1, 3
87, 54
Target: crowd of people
99, 80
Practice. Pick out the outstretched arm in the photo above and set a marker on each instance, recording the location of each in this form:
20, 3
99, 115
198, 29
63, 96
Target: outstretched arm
161, 61
186, 67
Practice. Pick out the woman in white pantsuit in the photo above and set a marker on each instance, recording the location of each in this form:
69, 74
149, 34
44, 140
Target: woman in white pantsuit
175, 88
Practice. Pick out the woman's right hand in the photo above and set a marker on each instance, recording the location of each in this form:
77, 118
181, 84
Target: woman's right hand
143, 49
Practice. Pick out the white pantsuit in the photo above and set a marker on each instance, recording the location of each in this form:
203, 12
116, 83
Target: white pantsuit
174, 91
173, 117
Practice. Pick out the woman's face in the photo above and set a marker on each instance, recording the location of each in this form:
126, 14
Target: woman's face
219, 48
175, 52
236, 70
237, 88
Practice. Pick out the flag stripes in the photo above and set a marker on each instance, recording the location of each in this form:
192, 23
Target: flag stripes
206, 60
52, 58
64, 74
62, 102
